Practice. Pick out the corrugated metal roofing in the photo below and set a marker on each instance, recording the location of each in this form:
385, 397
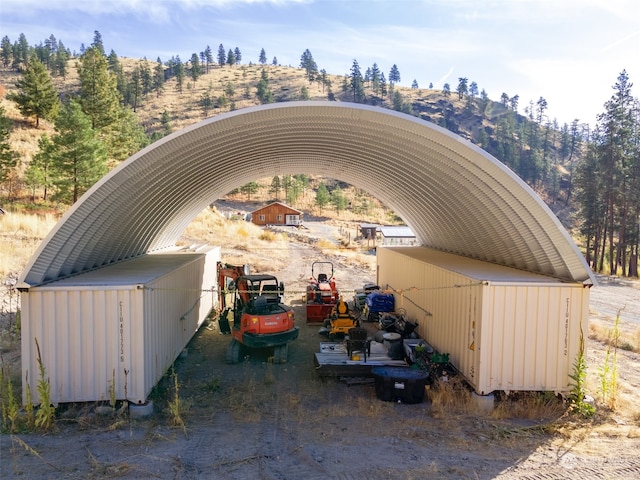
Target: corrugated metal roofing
454, 196
472, 268
397, 232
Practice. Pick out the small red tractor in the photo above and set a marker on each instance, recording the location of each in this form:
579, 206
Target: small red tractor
322, 293
260, 319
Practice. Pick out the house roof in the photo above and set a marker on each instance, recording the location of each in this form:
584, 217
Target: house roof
455, 196
286, 207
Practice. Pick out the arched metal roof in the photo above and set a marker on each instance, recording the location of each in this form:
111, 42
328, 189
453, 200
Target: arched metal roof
453, 195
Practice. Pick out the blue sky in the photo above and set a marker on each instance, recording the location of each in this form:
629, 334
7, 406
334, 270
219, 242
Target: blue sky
568, 51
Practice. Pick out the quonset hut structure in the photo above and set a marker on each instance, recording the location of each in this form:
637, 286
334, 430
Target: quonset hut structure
111, 301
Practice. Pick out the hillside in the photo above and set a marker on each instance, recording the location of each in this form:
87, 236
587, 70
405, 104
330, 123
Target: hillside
234, 87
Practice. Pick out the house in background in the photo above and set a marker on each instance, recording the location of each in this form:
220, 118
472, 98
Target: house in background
400, 235
277, 214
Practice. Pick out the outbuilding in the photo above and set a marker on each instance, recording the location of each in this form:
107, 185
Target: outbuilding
277, 213
368, 231
114, 332
397, 235
504, 329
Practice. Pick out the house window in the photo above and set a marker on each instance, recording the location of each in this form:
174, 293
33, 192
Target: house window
261, 218
279, 217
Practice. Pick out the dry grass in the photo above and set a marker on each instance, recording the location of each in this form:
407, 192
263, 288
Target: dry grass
628, 340
20, 235
258, 248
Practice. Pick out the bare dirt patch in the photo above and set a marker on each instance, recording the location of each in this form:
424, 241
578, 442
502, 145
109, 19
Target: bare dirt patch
261, 420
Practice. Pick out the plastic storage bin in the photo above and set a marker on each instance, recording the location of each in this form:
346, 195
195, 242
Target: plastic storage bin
400, 384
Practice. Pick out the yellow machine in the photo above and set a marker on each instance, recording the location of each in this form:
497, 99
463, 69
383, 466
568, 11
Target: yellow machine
340, 320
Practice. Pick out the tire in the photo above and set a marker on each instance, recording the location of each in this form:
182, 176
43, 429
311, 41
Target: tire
234, 352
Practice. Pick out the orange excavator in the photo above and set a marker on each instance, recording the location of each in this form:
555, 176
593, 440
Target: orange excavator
260, 319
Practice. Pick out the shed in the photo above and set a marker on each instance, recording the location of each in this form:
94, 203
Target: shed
503, 328
368, 231
116, 329
397, 235
276, 213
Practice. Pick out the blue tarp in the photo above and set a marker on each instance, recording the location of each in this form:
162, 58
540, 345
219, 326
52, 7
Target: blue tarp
380, 302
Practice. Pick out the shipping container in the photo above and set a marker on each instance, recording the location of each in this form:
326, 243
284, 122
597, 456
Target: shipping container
504, 329
116, 330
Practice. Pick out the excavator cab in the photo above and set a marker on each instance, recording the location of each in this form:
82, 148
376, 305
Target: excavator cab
260, 319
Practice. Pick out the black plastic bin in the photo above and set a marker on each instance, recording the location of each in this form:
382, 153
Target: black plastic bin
400, 384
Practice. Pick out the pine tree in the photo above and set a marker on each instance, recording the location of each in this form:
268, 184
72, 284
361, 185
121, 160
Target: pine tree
206, 102
618, 155
473, 89
62, 57
322, 196
6, 51
146, 78
38, 173
356, 82
231, 58
115, 125
158, 77
338, 200
229, 89
263, 57
179, 73
238, 55
394, 75
79, 158
125, 136
97, 42
222, 55
133, 92
463, 87
398, 101
309, 65
20, 53
375, 79
208, 57
195, 67
383, 86
8, 158
263, 90
275, 188
99, 96
250, 188
36, 96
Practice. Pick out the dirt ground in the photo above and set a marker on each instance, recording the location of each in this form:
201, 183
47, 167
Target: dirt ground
259, 420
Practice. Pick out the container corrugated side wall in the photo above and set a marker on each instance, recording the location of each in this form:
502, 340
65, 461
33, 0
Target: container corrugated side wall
84, 337
175, 306
446, 305
531, 336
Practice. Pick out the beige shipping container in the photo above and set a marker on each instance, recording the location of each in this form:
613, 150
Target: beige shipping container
504, 329
116, 330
